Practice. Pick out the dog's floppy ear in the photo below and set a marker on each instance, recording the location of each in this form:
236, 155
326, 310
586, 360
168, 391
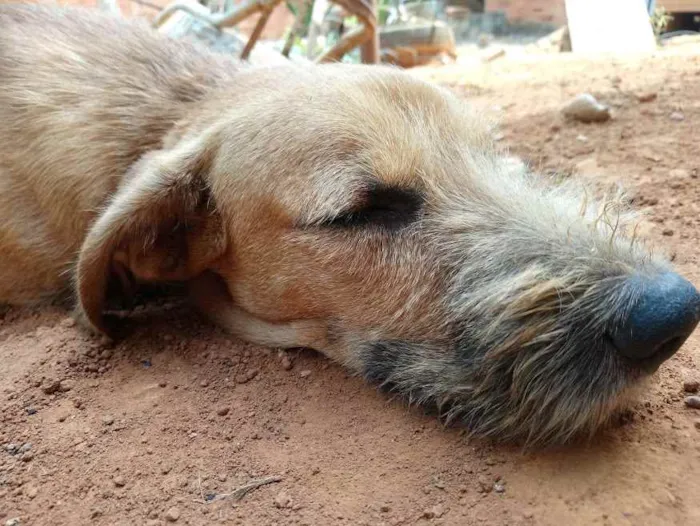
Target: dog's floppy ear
162, 225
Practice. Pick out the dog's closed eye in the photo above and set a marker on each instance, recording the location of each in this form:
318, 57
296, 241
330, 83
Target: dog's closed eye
380, 205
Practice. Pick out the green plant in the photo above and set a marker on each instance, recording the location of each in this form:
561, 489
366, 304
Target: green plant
660, 21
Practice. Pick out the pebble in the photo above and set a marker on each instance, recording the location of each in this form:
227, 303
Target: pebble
172, 515
667, 232
586, 108
384, 508
282, 500
108, 420
499, 486
12, 522
691, 386
223, 411
119, 481
26, 457
693, 402
305, 373
677, 116
647, 96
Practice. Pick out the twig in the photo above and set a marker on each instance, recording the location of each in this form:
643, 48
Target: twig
241, 492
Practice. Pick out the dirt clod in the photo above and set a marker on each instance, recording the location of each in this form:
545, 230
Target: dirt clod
173, 514
223, 410
108, 420
51, 386
435, 512
691, 386
647, 96
282, 500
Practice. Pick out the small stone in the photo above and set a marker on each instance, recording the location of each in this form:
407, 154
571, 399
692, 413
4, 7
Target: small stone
223, 411
384, 508
667, 232
108, 420
28, 456
30, 491
62, 417
172, 515
204, 383
282, 500
119, 481
499, 486
677, 116
647, 96
691, 386
222, 477
693, 402
78, 404
51, 386
12, 522
586, 108
286, 363
305, 373
68, 322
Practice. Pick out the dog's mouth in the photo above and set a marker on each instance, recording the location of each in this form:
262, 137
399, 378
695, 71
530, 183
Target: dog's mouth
650, 365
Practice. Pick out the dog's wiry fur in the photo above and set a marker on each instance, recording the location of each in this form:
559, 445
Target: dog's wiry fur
350, 209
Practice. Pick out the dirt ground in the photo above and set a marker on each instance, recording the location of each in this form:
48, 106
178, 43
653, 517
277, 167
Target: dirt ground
162, 428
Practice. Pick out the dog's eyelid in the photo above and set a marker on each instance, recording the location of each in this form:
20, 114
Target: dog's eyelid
382, 205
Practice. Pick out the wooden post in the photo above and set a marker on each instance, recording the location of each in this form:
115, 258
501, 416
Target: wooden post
370, 49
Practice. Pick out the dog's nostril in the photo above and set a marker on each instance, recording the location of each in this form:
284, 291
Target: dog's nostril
667, 311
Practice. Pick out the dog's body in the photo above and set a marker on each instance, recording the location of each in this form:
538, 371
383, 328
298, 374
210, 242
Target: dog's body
354, 210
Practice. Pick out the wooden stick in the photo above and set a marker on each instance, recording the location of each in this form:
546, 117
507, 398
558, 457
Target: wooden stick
255, 35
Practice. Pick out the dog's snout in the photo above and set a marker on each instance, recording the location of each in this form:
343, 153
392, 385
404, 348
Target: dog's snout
666, 313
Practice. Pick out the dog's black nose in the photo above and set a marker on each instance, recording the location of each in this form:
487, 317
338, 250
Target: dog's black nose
667, 311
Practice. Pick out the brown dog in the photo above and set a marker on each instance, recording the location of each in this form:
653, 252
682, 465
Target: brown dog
350, 209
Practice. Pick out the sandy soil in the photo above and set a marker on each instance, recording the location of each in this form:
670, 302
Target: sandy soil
161, 428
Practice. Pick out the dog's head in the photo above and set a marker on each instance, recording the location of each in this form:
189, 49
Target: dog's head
373, 207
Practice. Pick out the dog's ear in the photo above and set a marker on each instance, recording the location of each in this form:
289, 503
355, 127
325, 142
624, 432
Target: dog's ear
162, 225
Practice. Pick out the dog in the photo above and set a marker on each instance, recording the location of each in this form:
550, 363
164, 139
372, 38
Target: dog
354, 210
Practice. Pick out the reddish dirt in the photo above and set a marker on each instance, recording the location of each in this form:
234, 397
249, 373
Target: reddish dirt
137, 434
